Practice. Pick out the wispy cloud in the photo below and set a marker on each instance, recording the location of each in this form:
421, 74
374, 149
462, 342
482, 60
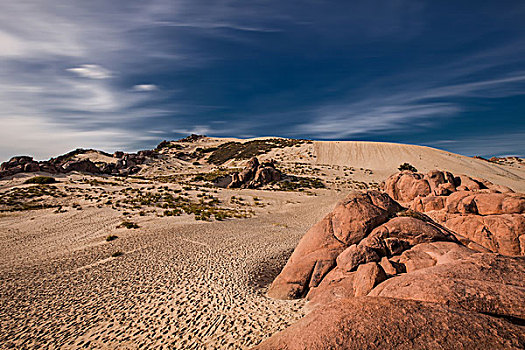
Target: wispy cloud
485, 145
145, 87
53, 138
420, 99
372, 117
198, 129
91, 71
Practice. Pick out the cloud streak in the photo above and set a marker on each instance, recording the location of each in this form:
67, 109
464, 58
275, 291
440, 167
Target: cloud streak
401, 103
145, 87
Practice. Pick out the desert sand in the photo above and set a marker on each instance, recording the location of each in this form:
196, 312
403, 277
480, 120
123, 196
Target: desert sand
177, 282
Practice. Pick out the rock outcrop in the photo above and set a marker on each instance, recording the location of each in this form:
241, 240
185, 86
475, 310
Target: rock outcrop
126, 164
83, 166
315, 255
381, 275
406, 185
18, 164
485, 283
488, 214
255, 175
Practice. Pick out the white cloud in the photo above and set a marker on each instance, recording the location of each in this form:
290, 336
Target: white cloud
145, 87
341, 121
197, 129
91, 71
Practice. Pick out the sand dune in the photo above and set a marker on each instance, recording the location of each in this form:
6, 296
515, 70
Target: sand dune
384, 158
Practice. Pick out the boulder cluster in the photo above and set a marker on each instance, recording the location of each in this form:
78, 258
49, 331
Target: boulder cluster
255, 175
490, 215
433, 261
125, 164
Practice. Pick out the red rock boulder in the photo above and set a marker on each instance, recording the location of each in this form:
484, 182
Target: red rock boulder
499, 233
386, 323
351, 220
406, 185
485, 283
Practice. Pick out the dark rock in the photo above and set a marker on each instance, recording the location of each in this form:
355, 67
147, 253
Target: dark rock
255, 175
83, 166
31, 167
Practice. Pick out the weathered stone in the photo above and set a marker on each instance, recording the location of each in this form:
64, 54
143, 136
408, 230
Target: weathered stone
359, 213
429, 203
84, 165
367, 277
487, 283
406, 185
316, 253
499, 233
255, 175
386, 323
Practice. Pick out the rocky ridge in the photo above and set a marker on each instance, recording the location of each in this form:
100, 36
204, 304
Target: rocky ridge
122, 163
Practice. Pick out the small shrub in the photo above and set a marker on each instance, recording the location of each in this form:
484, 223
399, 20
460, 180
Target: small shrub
175, 212
110, 238
42, 180
407, 166
196, 163
117, 254
128, 225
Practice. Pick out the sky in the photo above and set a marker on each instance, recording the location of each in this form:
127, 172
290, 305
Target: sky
127, 74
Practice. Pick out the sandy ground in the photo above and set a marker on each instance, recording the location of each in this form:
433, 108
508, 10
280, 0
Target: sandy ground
180, 285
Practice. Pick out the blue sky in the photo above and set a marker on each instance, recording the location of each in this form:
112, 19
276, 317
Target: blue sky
127, 74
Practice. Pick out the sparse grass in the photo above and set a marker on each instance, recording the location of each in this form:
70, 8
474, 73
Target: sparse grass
30, 198
214, 175
174, 212
42, 180
300, 183
95, 182
169, 145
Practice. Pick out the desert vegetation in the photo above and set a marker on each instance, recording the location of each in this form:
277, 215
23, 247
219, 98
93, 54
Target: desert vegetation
30, 198
407, 166
247, 150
